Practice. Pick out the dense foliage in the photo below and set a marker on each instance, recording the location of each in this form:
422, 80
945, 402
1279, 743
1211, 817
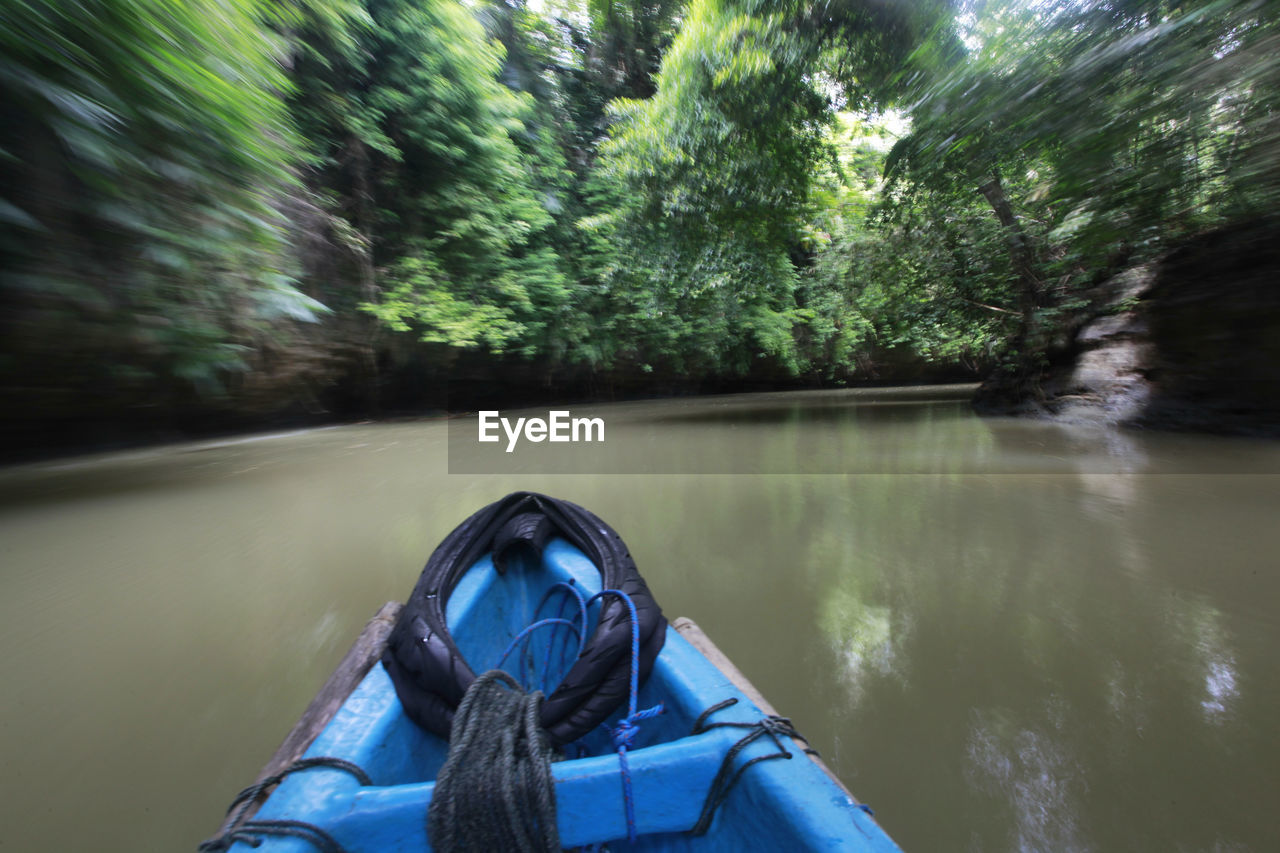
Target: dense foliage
208, 201
1095, 136
145, 163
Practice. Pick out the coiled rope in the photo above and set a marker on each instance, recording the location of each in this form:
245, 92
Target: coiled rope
577, 625
495, 790
499, 756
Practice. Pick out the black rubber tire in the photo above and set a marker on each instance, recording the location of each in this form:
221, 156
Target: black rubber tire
430, 674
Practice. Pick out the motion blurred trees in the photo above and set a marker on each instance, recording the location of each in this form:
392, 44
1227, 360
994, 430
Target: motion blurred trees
199, 196
720, 165
413, 144
146, 159
1097, 135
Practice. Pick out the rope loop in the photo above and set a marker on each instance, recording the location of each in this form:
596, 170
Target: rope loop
250, 832
555, 622
625, 732
773, 727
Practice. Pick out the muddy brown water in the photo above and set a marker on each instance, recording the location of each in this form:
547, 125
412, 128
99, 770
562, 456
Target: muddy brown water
1002, 635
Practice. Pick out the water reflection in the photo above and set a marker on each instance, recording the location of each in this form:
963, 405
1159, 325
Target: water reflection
1220, 685
1035, 773
1218, 666
1050, 658
862, 640
1095, 656
1125, 701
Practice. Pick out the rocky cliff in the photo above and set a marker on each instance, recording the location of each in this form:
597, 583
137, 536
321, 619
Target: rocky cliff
1191, 341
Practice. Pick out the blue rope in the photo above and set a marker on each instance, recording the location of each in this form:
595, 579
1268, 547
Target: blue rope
624, 733
571, 587
577, 625
523, 635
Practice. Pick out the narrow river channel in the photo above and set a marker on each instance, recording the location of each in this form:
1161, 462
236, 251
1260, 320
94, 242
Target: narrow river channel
1002, 635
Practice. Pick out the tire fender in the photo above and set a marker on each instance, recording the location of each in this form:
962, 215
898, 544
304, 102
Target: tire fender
430, 674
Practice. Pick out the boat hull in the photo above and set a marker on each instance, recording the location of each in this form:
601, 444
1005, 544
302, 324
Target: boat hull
776, 804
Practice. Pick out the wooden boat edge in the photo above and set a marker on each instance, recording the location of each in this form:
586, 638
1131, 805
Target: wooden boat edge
350, 671
709, 650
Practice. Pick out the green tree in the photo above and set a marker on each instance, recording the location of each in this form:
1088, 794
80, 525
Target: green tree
146, 158
1098, 134
414, 143
891, 285
719, 165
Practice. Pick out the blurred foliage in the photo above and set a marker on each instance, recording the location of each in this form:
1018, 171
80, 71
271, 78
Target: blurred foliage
888, 277
145, 154
414, 148
719, 170
832, 189
1099, 134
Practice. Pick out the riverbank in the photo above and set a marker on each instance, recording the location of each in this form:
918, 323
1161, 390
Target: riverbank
1190, 343
472, 382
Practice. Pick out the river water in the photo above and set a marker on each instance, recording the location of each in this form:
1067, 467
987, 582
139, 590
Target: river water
1002, 635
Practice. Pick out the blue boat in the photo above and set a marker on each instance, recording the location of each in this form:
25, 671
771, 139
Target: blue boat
692, 758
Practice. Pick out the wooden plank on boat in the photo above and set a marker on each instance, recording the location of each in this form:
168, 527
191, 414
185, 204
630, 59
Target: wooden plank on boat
700, 641
355, 665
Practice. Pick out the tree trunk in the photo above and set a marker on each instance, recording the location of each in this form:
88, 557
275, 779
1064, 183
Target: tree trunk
1030, 294
364, 209
1032, 339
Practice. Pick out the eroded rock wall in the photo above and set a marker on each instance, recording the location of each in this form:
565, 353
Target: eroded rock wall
1191, 342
